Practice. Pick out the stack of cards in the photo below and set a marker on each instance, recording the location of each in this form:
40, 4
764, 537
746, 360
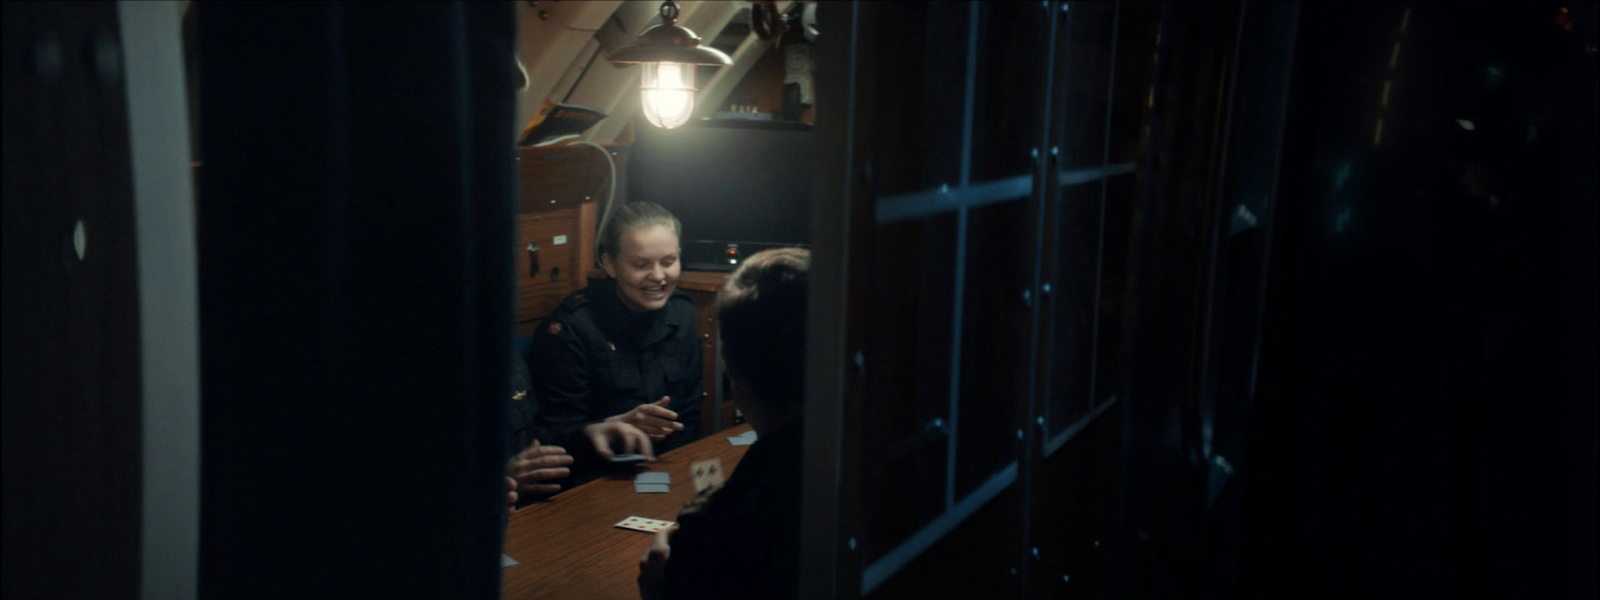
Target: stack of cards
643, 524
653, 482
627, 459
743, 439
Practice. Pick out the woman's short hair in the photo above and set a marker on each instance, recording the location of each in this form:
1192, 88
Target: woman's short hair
632, 216
761, 315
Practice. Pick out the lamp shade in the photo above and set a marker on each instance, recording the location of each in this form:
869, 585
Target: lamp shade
670, 54
669, 43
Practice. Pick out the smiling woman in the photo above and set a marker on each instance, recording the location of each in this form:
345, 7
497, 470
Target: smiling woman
616, 366
639, 249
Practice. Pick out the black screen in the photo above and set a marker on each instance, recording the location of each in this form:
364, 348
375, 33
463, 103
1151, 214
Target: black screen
743, 182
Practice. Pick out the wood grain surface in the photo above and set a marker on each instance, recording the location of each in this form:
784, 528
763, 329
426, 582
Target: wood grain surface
568, 546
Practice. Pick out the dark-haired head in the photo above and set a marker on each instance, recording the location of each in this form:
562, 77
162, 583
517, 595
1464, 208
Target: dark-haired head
761, 317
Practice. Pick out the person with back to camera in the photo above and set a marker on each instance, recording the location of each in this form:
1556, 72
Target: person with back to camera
620, 359
743, 540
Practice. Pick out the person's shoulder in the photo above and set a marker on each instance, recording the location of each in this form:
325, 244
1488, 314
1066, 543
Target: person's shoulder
577, 300
573, 312
576, 307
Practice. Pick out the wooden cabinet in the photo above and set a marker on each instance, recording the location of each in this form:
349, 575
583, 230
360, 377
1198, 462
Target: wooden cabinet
716, 409
559, 190
547, 263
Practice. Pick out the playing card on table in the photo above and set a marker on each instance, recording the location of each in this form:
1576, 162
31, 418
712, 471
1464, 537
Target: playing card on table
643, 524
652, 482
707, 473
744, 439
653, 477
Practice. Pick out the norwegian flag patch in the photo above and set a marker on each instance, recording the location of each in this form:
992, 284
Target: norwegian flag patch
554, 329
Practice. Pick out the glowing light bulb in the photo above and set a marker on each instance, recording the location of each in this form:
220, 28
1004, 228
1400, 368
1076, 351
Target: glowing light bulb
668, 93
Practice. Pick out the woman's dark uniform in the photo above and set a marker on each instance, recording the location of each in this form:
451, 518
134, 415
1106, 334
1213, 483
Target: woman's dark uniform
594, 358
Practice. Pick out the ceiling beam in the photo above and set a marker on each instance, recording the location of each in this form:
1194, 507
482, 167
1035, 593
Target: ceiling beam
548, 47
716, 90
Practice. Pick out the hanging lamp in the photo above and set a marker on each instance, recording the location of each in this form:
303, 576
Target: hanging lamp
670, 54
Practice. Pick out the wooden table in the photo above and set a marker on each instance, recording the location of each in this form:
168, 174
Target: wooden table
567, 545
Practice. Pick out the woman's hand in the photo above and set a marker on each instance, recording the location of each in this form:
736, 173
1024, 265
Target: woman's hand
626, 437
531, 468
654, 419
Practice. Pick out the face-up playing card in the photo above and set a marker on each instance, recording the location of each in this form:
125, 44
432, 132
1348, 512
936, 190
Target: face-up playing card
643, 524
707, 473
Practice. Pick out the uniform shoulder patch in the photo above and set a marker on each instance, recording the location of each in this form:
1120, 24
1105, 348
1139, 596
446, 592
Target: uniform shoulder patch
554, 328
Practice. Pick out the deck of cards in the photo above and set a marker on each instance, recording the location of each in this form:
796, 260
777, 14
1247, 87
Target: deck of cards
653, 482
627, 459
643, 524
743, 439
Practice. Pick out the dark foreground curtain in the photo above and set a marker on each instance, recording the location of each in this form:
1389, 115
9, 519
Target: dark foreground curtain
354, 212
